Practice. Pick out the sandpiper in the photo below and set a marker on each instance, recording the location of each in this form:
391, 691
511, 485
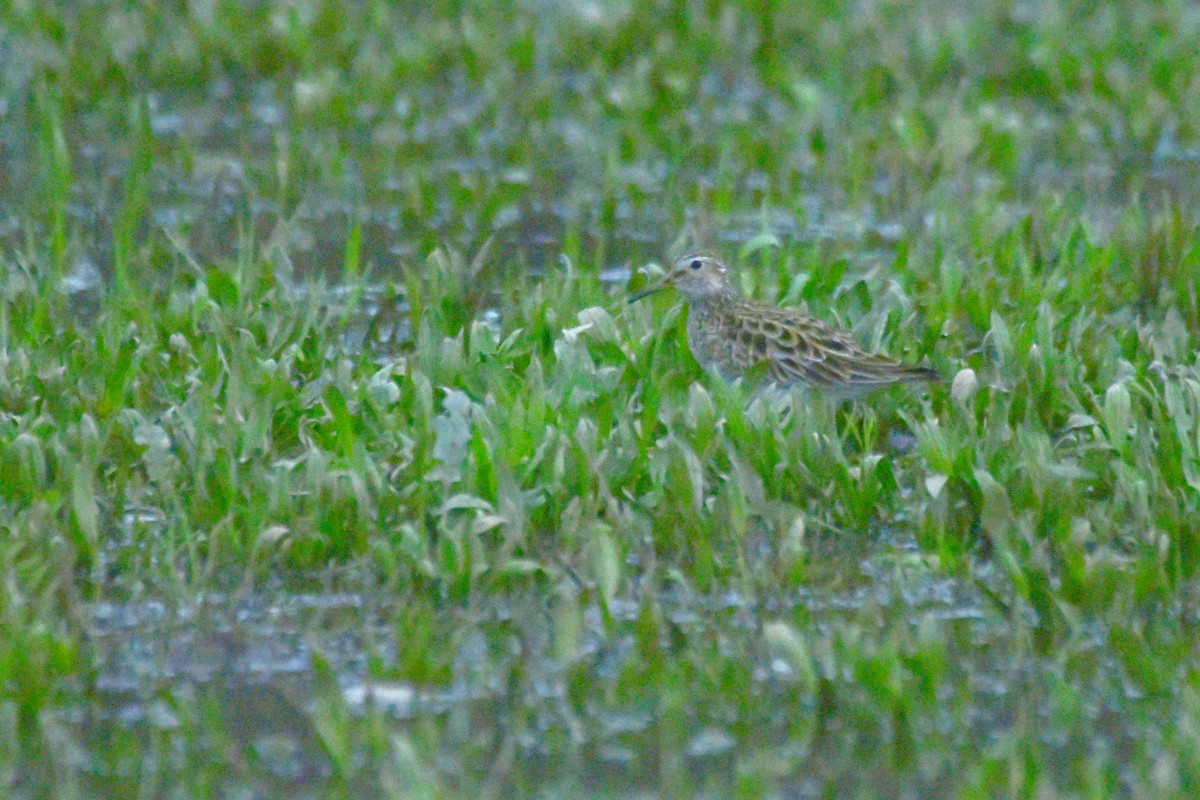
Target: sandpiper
730, 336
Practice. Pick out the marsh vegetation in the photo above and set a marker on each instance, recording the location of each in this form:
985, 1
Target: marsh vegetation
332, 462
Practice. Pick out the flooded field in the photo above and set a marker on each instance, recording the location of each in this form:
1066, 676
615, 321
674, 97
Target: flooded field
333, 462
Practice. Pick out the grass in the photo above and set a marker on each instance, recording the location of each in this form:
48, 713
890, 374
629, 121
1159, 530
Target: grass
354, 475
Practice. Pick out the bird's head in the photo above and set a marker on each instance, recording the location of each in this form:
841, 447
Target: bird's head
698, 276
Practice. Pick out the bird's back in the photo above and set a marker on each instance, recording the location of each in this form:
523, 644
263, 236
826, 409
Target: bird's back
734, 337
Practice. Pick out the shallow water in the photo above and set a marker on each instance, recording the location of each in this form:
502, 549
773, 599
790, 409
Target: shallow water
215, 184
266, 666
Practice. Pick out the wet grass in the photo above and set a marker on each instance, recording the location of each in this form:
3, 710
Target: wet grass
333, 463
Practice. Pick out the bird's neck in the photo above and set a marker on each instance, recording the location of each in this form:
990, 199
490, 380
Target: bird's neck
711, 302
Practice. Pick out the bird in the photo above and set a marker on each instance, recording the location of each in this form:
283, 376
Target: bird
731, 336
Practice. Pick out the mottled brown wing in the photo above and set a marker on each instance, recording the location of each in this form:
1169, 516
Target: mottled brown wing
801, 350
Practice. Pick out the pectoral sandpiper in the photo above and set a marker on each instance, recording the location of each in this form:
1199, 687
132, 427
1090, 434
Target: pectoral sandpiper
730, 336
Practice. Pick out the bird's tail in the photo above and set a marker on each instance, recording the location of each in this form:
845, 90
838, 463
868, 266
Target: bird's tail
916, 374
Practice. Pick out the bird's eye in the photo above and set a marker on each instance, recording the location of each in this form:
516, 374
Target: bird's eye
697, 264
